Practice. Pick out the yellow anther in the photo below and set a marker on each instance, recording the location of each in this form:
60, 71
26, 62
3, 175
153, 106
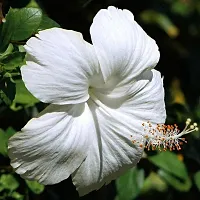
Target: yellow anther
187, 122
192, 126
195, 124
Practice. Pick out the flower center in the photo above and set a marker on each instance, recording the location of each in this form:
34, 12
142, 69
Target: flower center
164, 137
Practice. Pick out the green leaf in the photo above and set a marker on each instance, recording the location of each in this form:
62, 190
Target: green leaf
7, 90
5, 36
23, 96
13, 60
7, 181
169, 162
17, 196
130, 184
35, 187
197, 179
1, 188
3, 143
7, 52
182, 8
4, 136
33, 4
21, 48
155, 183
47, 23
21, 23
162, 20
181, 185
5, 98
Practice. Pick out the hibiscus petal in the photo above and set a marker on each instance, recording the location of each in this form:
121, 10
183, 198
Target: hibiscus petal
143, 98
121, 45
51, 147
59, 64
119, 122
146, 98
111, 153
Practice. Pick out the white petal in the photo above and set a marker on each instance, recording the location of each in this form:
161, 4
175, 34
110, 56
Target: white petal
146, 100
121, 45
119, 121
112, 151
142, 99
49, 148
59, 66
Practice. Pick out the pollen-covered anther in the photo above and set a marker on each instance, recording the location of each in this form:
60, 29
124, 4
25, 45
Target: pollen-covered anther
163, 137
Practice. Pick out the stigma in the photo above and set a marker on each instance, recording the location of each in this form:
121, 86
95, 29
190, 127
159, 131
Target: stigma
163, 137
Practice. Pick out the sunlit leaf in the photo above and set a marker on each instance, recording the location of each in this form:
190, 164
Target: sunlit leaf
7, 52
21, 48
8, 181
4, 136
129, 185
35, 187
181, 185
21, 23
17, 196
47, 23
169, 162
155, 183
23, 96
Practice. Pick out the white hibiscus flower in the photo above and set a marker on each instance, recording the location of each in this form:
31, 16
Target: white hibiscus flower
99, 95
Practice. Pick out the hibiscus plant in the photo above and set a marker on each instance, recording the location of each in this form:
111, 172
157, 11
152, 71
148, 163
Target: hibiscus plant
95, 110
